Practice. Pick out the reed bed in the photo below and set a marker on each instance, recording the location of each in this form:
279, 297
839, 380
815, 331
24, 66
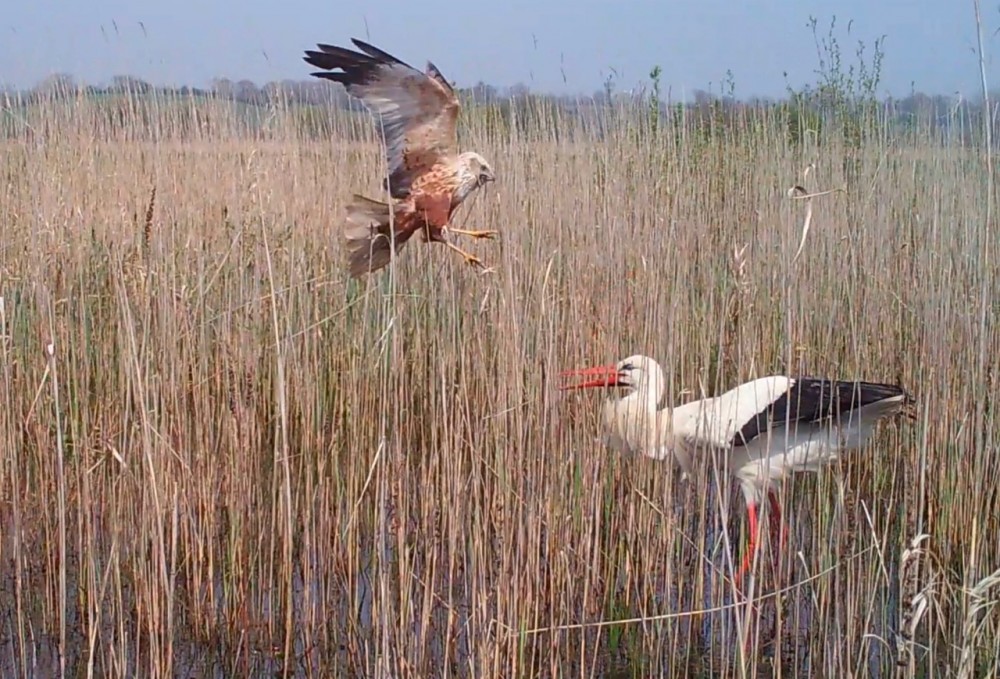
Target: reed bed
221, 457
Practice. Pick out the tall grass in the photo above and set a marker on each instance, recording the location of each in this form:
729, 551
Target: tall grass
222, 457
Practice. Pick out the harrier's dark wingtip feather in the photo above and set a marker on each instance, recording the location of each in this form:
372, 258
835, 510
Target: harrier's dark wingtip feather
436, 73
343, 53
315, 59
335, 58
376, 53
335, 77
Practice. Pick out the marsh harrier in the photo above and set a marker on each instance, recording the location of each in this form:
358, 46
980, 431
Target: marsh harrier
428, 178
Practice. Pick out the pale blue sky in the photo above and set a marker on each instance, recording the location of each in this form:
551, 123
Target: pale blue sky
532, 41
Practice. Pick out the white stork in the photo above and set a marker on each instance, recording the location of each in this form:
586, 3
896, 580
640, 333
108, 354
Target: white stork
768, 427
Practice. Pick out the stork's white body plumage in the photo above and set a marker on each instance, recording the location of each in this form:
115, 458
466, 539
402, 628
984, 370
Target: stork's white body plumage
767, 428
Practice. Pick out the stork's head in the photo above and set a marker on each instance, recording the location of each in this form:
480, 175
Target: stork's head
633, 373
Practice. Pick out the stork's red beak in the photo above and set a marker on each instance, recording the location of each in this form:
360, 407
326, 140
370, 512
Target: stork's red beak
603, 376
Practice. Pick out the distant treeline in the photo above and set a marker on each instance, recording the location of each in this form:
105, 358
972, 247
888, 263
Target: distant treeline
314, 104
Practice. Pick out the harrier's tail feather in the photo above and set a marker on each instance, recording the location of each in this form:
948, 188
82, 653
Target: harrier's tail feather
368, 235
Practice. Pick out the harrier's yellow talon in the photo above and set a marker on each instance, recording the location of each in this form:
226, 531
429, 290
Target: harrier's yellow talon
470, 259
476, 234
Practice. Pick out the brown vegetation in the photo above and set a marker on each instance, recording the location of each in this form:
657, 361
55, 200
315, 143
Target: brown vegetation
218, 454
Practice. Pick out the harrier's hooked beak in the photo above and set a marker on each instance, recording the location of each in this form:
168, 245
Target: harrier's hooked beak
603, 376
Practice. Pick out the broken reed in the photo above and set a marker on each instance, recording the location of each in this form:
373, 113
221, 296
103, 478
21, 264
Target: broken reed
233, 459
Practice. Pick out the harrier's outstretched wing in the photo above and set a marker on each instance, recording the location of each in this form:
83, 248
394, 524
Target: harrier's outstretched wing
418, 110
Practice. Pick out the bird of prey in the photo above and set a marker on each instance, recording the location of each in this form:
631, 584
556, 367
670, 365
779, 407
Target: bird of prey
428, 177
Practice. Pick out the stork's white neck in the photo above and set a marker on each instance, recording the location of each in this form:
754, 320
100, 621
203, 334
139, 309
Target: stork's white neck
632, 420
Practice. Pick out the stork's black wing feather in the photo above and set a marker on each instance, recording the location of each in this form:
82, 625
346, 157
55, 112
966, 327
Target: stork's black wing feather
814, 400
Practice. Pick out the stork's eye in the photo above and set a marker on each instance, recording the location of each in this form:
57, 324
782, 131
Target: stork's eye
627, 368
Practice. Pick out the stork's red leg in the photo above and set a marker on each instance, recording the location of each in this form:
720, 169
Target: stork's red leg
752, 542
777, 529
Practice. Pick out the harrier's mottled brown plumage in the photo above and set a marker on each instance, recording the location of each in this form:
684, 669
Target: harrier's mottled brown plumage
428, 178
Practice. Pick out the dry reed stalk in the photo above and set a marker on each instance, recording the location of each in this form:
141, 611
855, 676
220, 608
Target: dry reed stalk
270, 468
